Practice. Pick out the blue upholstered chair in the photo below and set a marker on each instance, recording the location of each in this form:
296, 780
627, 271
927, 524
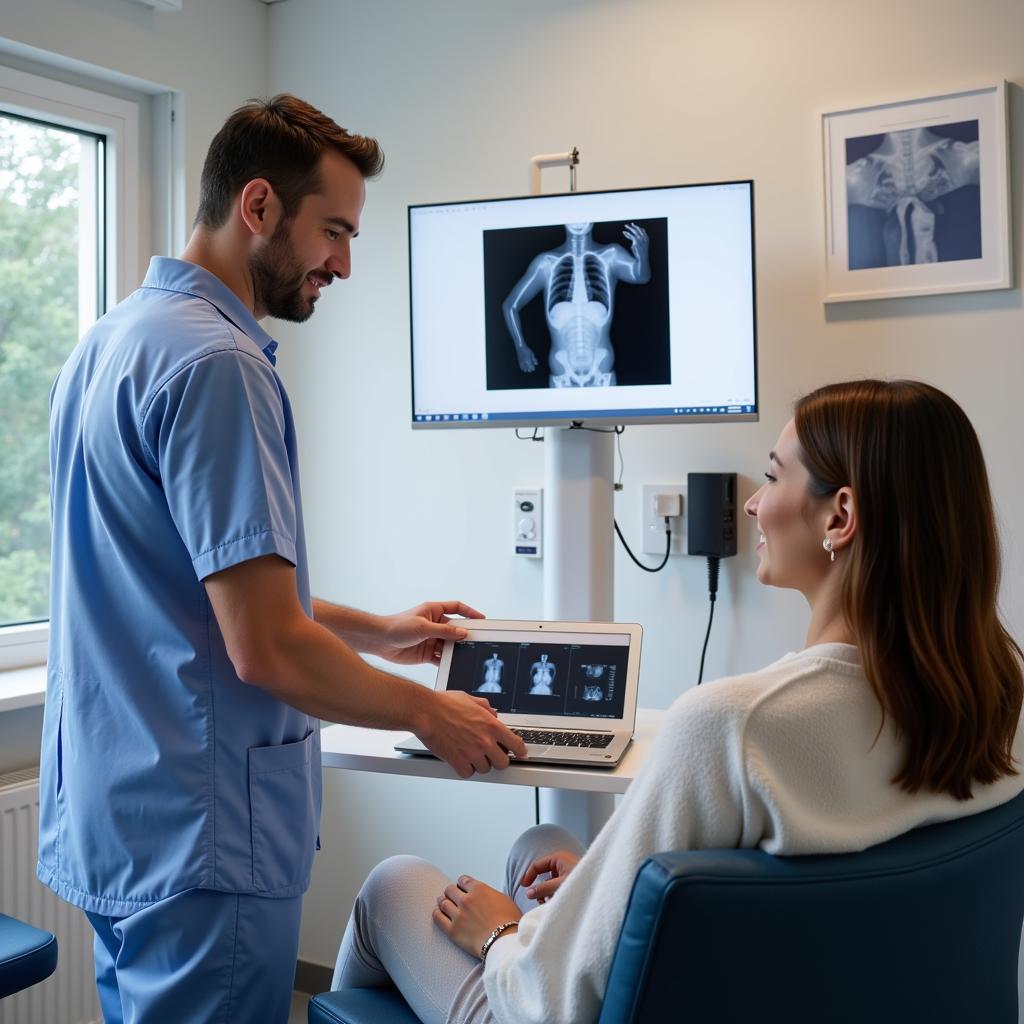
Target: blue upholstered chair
923, 928
27, 955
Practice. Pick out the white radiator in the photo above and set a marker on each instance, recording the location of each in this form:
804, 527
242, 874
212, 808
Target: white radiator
68, 996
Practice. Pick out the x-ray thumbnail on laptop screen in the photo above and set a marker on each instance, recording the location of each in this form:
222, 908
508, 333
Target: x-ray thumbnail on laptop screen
570, 679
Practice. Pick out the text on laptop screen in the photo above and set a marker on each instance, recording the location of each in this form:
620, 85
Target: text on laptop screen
563, 675
630, 306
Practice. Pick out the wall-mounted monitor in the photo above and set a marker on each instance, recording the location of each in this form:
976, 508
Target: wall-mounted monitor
630, 306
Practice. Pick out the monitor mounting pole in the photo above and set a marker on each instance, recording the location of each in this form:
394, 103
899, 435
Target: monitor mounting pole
578, 545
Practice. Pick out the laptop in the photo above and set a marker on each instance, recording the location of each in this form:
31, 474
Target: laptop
569, 689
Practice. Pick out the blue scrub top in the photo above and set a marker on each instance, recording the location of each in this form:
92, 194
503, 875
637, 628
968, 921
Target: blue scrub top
172, 456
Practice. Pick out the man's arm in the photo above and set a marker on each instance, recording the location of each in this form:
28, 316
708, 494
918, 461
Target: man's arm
357, 629
408, 638
274, 645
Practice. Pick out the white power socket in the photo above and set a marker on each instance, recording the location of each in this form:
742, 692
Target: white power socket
654, 524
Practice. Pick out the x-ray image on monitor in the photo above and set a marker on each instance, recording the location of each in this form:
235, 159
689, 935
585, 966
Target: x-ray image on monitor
622, 306
542, 677
580, 305
491, 670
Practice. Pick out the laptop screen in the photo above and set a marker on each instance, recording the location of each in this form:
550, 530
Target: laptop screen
572, 675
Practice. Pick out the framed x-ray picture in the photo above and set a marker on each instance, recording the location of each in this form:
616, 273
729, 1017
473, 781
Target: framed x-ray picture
917, 197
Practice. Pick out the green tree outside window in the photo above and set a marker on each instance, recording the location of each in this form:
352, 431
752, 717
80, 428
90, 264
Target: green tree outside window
39, 309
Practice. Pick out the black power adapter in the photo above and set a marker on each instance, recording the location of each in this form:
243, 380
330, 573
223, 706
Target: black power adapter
711, 530
711, 514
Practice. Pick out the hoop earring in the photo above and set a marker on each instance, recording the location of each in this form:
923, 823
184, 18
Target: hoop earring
827, 545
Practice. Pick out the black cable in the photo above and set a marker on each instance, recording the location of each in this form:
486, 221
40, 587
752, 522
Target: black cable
536, 805
668, 548
713, 564
578, 425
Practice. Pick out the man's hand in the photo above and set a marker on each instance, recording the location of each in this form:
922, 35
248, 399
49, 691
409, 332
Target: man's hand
416, 637
558, 865
465, 732
469, 910
527, 360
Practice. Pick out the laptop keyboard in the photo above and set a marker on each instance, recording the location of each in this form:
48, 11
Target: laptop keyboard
548, 737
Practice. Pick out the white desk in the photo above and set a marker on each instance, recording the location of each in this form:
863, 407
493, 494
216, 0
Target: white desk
372, 750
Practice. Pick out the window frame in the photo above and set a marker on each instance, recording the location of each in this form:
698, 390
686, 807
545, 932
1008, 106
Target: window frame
117, 121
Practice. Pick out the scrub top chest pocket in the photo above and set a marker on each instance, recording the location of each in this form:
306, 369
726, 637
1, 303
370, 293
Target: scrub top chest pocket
283, 814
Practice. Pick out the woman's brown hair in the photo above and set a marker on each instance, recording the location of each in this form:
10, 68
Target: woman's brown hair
921, 577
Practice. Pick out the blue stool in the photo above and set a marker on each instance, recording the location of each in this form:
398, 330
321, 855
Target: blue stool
27, 955
926, 927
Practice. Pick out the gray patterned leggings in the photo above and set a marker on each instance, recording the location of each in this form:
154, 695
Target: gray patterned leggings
392, 939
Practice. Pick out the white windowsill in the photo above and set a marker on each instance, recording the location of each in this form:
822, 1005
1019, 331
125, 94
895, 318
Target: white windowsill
22, 687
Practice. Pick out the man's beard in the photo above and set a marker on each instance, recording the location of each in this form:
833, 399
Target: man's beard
278, 277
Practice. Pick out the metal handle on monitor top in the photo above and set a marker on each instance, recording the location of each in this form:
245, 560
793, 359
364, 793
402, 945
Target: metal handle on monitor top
538, 163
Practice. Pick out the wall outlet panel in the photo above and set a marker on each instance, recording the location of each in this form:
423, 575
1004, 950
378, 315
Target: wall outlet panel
654, 525
528, 522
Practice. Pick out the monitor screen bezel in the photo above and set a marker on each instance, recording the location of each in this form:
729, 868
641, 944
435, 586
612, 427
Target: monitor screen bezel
598, 418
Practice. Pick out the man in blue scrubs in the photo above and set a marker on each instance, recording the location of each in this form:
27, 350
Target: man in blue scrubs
188, 664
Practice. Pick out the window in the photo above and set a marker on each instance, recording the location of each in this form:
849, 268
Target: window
51, 290
68, 187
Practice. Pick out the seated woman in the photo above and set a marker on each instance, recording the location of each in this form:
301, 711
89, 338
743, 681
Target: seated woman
902, 709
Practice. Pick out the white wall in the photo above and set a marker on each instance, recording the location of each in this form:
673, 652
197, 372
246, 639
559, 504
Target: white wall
461, 93
214, 52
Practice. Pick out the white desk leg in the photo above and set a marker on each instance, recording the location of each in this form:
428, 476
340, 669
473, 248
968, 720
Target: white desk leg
583, 814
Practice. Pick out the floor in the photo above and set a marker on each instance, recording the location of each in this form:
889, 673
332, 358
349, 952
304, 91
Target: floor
300, 1000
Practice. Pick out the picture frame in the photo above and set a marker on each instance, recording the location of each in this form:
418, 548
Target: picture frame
917, 197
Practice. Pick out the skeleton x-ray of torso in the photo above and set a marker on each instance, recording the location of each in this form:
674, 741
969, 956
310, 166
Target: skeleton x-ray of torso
578, 280
909, 170
493, 668
542, 675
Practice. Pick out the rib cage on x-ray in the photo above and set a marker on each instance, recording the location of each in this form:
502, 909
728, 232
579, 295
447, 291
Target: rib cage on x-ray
542, 677
592, 273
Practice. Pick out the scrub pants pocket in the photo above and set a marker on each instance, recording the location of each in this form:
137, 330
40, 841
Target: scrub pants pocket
283, 817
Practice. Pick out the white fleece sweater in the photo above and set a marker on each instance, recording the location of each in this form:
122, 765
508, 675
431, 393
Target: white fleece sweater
785, 759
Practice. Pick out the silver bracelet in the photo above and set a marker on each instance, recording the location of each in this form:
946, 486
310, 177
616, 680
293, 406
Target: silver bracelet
489, 941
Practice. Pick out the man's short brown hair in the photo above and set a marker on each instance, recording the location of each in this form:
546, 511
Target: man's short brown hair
282, 140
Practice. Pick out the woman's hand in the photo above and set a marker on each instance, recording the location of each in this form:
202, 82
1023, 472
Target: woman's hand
469, 910
558, 865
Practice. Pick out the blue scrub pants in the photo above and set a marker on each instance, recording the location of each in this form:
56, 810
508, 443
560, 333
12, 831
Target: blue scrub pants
200, 957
